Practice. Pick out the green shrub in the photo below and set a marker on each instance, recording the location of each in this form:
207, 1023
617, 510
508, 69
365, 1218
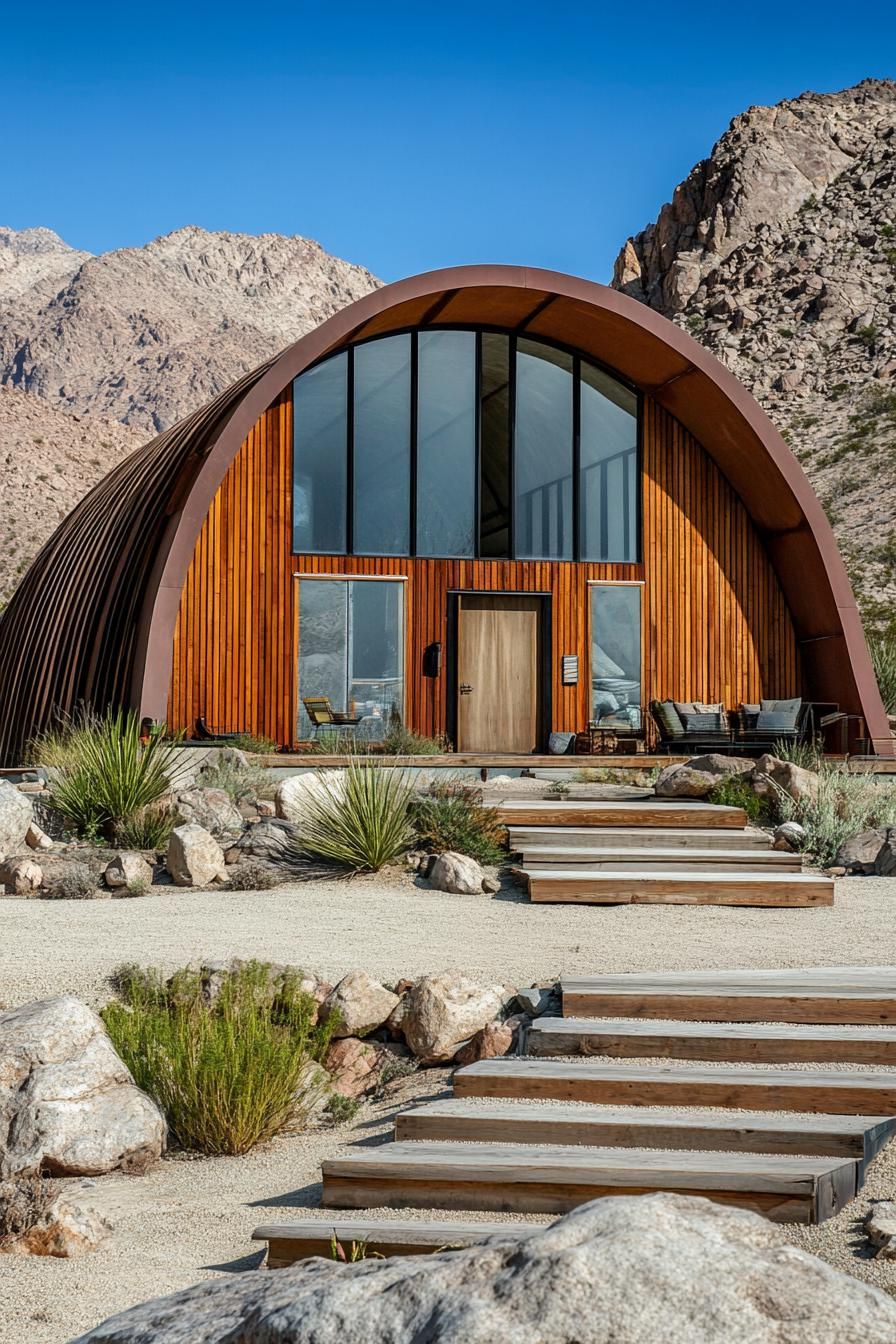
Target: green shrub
845, 806
358, 819
239, 782
254, 875
453, 816
883, 659
807, 755
400, 741
334, 742
734, 791
255, 743
150, 828
227, 1069
105, 775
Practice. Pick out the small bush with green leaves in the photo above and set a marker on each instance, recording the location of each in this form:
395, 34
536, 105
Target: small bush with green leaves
105, 774
452, 816
239, 782
225, 1069
400, 741
255, 743
341, 1110
357, 818
335, 742
254, 875
150, 828
845, 806
734, 791
807, 755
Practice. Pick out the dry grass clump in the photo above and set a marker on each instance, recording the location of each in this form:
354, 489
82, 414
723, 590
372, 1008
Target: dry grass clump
225, 1067
25, 1206
254, 875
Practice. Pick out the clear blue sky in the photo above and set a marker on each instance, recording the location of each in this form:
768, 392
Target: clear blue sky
402, 136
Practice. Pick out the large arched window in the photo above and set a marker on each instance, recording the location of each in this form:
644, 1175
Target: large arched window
460, 443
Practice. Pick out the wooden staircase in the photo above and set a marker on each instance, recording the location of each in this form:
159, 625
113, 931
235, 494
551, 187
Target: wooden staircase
542, 1133
653, 852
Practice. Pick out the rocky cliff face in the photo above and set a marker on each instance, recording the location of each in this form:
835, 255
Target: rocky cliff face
778, 252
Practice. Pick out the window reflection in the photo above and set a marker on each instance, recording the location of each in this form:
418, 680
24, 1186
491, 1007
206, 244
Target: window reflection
542, 455
616, 656
608, 468
382, 446
446, 443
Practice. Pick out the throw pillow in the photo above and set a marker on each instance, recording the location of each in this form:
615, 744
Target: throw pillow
770, 722
683, 707
700, 708
703, 723
668, 717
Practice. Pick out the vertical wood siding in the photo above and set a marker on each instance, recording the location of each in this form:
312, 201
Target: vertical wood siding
715, 625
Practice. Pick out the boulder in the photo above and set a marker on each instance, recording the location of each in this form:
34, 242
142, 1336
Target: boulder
269, 840
293, 793
456, 873
885, 863
128, 869
213, 809
858, 854
444, 1011
790, 836
491, 885
21, 877
490, 1042
355, 1065
191, 764
35, 838
68, 1105
538, 1000
800, 784
15, 818
43, 1220
880, 1227
716, 764
362, 1003
683, 781
621, 1270
195, 859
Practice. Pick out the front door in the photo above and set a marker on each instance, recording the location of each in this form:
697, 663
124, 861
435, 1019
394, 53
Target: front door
498, 673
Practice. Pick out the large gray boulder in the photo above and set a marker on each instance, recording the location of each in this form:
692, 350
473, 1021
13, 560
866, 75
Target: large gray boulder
857, 855
441, 1012
660, 1269
194, 858
771, 774
456, 873
213, 809
885, 863
68, 1105
15, 818
363, 1004
270, 839
683, 781
714, 763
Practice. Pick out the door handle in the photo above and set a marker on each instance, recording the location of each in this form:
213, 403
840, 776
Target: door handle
465, 689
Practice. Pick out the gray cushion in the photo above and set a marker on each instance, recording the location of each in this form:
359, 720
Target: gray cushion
704, 723
668, 717
560, 743
751, 714
771, 722
781, 706
683, 707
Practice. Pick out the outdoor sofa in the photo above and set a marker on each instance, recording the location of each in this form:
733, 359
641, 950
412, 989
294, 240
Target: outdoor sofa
692, 727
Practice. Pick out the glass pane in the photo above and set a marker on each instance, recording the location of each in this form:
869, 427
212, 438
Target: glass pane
319, 458
608, 477
382, 447
616, 656
543, 520
494, 436
377, 654
446, 442
323, 645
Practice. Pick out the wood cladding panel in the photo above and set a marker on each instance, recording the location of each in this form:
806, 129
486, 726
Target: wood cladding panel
714, 622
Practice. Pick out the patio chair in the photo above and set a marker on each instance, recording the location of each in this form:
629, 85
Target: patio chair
323, 715
689, 727
760, 726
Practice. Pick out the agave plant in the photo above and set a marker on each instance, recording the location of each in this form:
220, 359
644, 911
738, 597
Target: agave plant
357, 818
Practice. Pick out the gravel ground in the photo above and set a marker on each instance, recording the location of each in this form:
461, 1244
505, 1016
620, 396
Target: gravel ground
189, 1220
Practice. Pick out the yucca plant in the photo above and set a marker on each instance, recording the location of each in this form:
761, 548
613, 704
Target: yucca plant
883, 658
110, 775
357, 818
227, 1071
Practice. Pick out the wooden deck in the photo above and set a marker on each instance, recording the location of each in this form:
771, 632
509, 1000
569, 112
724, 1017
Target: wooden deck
647, 812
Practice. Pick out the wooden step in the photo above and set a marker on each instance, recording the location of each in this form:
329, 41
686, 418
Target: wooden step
837, 994
631, 887
833, 1092
548, 858
651, 812
598, 838
456, 1119
554, 1179
289, 1242
732, 1041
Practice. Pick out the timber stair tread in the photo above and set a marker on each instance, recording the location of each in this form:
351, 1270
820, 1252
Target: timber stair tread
649, 812
838, 994
469, 1120
557, 1177
832, 1091
299, 1240
769, 1042
597, 838
673, 887
583, 859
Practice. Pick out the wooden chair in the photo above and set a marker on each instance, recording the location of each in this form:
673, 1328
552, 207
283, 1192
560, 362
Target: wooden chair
323, 715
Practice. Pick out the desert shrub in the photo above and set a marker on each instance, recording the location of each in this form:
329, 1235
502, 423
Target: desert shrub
341, 1110
358, 819
25, 1205
808, 755
239, 782
845, 806
453, 816
150, 828
225, 1068
883, 658
110, 775
558, 788
253, 875
400, 741
734, 791
73, 882
61, 747
255, 742
333, 742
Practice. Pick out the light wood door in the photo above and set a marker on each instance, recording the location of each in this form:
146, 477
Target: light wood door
498, 673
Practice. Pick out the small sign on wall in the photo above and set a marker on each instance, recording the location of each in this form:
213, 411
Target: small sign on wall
570, 669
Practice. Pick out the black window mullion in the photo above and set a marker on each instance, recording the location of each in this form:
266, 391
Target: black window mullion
413, 433
511, 440
576, 456
350, 451
477, 452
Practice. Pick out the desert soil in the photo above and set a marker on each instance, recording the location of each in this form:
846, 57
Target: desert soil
191, 1219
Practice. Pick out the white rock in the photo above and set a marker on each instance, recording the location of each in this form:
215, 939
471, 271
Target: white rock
880, 1225
791, 836
128, 869
15, 817
656, 1269
362, 1003
35, 838
293, 793
443, 1011
194, 859
68, 1104
213, 809
456, 873
21, 876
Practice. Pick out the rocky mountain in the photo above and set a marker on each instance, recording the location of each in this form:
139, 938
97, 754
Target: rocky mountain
778, 252
146, 334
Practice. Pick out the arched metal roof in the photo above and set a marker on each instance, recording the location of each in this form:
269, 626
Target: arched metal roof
94, 618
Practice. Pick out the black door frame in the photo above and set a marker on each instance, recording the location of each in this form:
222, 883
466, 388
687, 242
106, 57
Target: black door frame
545, 689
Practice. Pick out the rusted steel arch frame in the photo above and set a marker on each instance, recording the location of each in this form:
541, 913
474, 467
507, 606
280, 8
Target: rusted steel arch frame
654, 353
